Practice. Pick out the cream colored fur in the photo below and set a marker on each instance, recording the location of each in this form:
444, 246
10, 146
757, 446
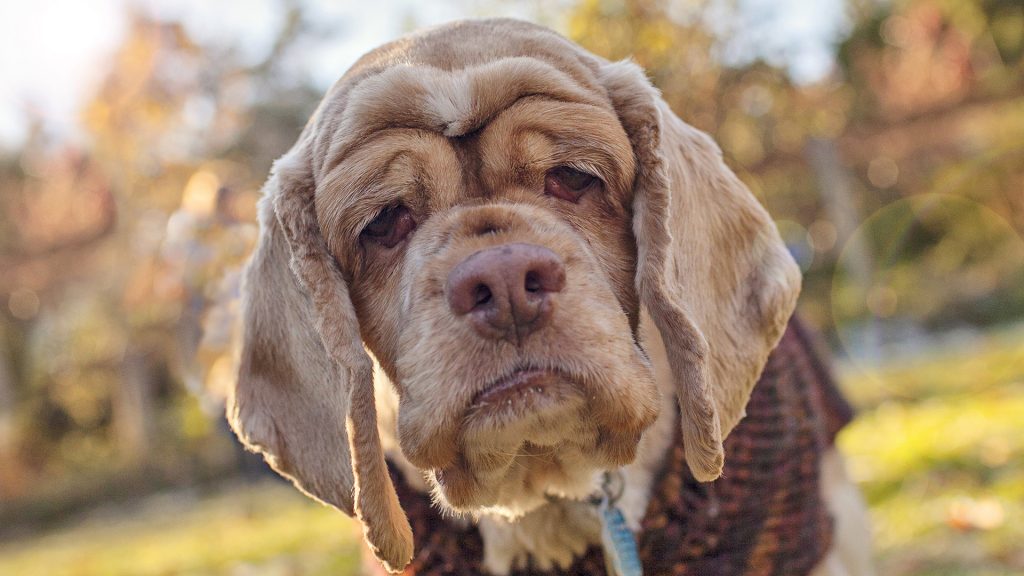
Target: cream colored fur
678, 286
555, 534
851, 549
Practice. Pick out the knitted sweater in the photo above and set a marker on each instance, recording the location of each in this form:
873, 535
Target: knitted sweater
764, 516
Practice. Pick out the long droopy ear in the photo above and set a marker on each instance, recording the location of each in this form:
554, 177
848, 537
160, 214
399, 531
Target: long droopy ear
711, 268
304, 395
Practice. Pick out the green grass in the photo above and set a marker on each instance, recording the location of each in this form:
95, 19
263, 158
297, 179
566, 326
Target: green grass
268, 528
938, 449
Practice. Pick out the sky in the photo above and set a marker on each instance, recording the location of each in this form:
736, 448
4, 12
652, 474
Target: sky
52, 51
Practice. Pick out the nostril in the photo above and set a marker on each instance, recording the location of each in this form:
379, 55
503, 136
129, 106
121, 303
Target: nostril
532, 283
544, 276
481, 295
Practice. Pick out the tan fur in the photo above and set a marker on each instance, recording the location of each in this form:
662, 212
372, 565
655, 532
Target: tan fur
463, 138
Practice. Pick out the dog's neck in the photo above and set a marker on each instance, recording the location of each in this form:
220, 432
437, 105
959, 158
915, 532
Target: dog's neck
560, 530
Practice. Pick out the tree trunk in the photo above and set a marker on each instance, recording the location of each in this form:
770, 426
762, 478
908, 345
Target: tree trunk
10, 478
837, 195
133, 407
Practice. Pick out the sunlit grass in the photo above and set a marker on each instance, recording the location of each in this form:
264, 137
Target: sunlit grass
937, 449
268, 528
992, 362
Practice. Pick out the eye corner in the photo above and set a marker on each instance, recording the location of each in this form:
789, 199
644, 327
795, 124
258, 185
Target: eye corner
390, 227
569, 183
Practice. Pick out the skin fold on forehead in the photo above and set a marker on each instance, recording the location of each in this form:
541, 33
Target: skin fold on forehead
428, 172
433, 63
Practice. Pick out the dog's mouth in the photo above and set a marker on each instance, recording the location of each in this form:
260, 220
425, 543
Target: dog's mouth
510, 388
524, 392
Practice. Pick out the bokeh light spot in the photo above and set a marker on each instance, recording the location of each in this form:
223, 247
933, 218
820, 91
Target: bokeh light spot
883, 172
882, 301
23, 304
200, 197
822, 234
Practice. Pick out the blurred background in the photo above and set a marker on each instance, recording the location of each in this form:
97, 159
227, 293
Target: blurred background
886, 138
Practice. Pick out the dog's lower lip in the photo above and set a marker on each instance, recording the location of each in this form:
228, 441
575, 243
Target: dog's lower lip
510, 386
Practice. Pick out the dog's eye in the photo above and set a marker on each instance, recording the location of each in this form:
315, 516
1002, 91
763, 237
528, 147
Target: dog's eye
568, 183
390, 227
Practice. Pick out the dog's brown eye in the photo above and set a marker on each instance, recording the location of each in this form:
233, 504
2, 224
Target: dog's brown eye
568, 183
390, 226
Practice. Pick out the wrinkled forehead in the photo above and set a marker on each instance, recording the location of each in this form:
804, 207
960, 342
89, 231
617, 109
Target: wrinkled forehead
451, 103
395, 136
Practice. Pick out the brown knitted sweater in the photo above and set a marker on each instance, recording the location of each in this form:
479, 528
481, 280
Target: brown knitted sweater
764, 516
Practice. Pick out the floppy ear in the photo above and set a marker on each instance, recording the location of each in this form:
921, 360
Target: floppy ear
711, 268
304, 395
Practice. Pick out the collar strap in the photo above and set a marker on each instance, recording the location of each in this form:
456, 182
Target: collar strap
620, 552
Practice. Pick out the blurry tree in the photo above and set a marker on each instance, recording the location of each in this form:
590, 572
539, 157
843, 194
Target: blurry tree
8, 477
936, 139
927, 98
762, 120
56, 210
112, 251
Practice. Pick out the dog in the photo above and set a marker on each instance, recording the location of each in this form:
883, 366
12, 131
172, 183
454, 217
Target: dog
505, 263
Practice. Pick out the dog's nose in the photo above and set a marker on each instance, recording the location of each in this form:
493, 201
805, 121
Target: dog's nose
506, 290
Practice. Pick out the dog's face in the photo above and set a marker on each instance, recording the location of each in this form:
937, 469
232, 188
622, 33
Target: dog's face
488, 221
492, 277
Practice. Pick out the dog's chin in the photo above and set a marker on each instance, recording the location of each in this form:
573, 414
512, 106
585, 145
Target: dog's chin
537, 474
527, 438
